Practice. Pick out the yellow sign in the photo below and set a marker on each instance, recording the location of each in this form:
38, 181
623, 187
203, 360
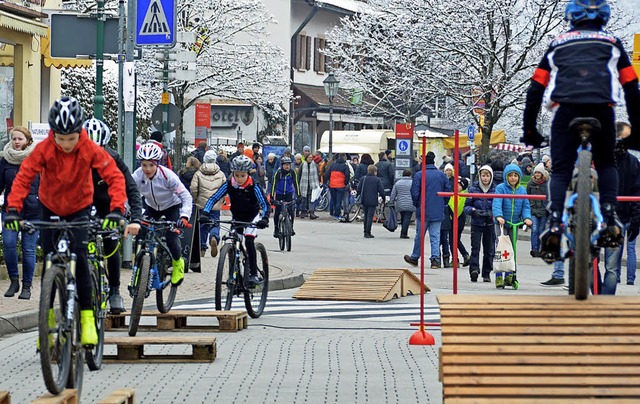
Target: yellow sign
635, 58
165, 98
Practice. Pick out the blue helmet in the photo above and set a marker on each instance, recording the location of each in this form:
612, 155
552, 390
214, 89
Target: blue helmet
587, 10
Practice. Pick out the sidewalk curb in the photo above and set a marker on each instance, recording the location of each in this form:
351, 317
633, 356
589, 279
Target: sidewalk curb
26, 320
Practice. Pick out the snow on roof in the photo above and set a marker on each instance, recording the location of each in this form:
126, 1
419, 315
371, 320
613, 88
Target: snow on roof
352, 6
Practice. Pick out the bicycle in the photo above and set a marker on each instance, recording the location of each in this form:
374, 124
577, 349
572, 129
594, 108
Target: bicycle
285, 226
354, 206
233, 271
151, 270
99, 288
61, 353
323, 201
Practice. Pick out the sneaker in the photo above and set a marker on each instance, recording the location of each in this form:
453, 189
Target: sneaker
474, 276
402, 236
508, 280
410, 261
465, 260
116, 303
534, 253
486, 279
254, 281
313, 216
177, 275
553, 282
435, 263
368, 235
88, 332
213, 243
630, 283
499, 282
446, 263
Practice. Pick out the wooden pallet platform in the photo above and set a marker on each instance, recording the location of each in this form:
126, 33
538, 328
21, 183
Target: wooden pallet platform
377, 285
5, 397
68, 396
531, 348
120, 396
176, 320
131, 349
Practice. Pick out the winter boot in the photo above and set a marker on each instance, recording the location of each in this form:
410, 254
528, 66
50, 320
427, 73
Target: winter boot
435, 263
508, 280
474, 276
116, 303
465, 260
13, 288
499, 282
88, 334
177, 276
26, 291
446, 261
610, 236
550, 239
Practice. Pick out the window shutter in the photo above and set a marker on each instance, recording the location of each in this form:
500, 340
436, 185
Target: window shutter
308, 61
316, 54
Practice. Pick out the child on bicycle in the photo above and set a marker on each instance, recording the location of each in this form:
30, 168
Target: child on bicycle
64, 161
511, 210
164, 196
285, 188
248, 204
577, 78
99, 132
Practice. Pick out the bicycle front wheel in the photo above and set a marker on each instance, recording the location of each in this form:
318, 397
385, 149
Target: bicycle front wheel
256, 299
225, 280
287, 238
54, 339
76, 370
140, 288
582, 219
353, 212
94, 355
167, 295
282, 229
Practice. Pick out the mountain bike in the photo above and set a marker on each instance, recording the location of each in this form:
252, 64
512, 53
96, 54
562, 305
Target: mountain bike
151, 270
354, 206
61, 353
99, 288
233, 271
323, 201
285, 226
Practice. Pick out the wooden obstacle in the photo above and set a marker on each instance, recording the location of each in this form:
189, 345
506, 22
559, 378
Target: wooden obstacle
120, 396
539, 348
5, 397
176, 320
68, 396
131, 349
378, 285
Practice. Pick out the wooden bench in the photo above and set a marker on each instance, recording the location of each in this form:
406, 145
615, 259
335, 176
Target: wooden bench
176, 320
539, 348
68, 396
5, 397
120, 396
131, 349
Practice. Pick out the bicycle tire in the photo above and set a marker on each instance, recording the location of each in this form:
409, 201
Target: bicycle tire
583, 226
287, 236
141, 284
94, 356
353, 212
76, 370
225, 284
323, 201
572, 275
163, 262
281, 232
54, 284
255, 299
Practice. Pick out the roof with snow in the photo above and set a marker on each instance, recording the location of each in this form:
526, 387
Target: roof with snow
343, 6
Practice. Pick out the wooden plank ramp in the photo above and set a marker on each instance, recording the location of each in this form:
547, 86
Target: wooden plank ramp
176, 320
377, 285
5, 397
68, 396
525, 349
120, 396
131, 349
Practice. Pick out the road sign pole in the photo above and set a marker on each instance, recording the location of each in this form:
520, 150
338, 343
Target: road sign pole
98, 100
165, 90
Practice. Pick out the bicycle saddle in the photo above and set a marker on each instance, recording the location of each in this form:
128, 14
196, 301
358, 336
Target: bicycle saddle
581, 123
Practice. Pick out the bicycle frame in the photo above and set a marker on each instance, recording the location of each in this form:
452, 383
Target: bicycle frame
239, 252
150, 243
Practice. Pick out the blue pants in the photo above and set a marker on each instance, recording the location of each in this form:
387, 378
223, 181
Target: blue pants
337, 200
613, 265
434, 238
485, 236
209, 230
538, 224
9, 247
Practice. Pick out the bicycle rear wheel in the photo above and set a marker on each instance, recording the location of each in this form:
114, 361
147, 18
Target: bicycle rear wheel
255, 299
282, 228
289, 231
353, 212
225, 282
76, 370
582, 219
94, 355
54, 339
167, 295
140, 289
323, 201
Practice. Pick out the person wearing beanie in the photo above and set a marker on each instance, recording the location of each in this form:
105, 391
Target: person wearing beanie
156, 137
306, 151
389, 154
239, 151
482, 228
287, 153
435, 181
446, 229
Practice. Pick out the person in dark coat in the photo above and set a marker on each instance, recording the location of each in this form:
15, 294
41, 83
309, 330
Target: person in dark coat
497, 166
271, 165
186, 174
223, 162
361, 169
386, 172
401, 197
200, 151
370, 189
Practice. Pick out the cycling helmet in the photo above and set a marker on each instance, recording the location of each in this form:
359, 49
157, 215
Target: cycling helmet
98, 131
65, 116
241, 163
285, 160
587, 10
149, 151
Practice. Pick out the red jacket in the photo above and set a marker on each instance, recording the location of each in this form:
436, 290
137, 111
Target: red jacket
66, 184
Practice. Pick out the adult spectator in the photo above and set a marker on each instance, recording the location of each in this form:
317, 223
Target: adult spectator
546, 160
435, 181
538, 186
306, 151
497, 166
156, 137
256, 150
361, 169
309, 180
270, 167
370, 189
389, 155
386, 172
287, 153
337, 177
223, 162
401, 197
186, 174
261, 173
239, 151
200, 151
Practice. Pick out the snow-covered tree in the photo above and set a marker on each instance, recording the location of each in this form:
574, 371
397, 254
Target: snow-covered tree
235, 60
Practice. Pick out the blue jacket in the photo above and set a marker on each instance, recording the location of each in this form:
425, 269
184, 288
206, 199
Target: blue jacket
511, 210
436, 181
483, 206
285, 183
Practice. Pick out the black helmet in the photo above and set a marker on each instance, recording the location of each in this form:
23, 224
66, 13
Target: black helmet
65, 116
285, 160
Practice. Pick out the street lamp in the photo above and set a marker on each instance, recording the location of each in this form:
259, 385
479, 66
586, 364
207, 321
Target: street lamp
239, 135
331, 89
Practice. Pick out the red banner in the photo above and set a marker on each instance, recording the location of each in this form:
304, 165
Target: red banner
404, 130
203, 115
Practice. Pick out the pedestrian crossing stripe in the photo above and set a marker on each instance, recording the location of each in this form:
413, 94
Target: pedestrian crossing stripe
155, 20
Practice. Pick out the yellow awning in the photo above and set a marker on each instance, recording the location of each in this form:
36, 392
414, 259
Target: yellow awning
497, 136
21, 24
59, 62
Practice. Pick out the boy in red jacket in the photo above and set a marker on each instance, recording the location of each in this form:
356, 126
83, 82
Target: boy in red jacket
64, 161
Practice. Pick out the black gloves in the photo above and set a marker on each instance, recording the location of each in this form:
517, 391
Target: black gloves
475, 213
112, 220
533, 138
634, 230
12, 219
262, 224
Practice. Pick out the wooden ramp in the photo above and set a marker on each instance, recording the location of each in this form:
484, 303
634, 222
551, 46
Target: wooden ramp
131, 349
176, 320
120, 396
68, 396
377, 285
5, 397
539, 348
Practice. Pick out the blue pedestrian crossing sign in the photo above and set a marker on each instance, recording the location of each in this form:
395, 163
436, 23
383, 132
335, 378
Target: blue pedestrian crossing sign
156, 23
471, 132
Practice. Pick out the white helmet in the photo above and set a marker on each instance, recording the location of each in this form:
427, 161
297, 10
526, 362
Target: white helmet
98, 131
149, 151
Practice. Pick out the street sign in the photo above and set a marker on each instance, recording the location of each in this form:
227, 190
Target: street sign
471, 133
173, 118
403, 147
156, 22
